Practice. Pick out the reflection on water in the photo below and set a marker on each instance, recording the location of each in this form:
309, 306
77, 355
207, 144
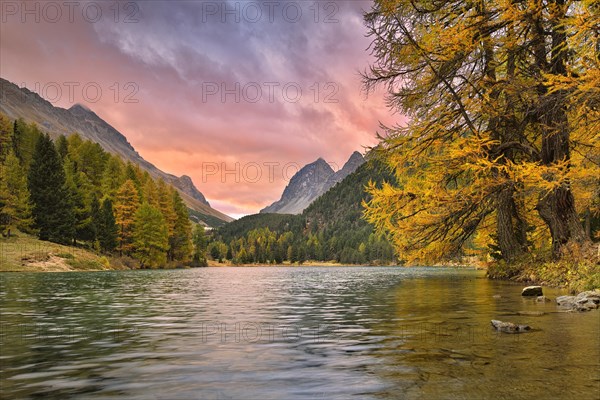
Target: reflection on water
287, 333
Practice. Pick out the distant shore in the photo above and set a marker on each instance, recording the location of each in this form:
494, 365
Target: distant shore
213, 263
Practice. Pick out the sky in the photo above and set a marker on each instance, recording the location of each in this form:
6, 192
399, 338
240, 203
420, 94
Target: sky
238, 95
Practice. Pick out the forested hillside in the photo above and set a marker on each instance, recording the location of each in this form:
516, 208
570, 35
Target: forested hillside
73, 192
330, 229
20, 102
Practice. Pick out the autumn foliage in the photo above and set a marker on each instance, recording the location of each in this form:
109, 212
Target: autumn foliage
501, 152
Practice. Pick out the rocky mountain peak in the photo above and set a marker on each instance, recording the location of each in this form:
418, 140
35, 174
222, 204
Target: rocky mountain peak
310, 182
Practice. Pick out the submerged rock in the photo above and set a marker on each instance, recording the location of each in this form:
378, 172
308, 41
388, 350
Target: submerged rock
542, 299
531, 313
584, 301
532, 291
509, 327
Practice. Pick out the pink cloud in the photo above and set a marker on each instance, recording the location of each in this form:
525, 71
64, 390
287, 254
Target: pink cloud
171, 60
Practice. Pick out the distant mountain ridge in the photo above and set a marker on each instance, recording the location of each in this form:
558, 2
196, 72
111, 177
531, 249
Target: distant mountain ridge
308, 184
18, 102
331, 228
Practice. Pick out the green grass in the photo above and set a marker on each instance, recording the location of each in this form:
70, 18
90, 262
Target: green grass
26, 253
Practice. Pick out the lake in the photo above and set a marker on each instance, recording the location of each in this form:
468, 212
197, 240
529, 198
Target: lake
288, 333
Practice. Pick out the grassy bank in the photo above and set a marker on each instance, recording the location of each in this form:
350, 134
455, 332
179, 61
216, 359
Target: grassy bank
24, 253
578, 270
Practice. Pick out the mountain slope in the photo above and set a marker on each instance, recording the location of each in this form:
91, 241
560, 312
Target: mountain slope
311, 182
355, 161
18, 102
305, 186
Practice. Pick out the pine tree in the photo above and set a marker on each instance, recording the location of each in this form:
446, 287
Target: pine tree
52, 211
107, 227
126, 205
79, 189
95, 216
151, 239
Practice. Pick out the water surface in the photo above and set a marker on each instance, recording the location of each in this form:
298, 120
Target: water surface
288, 333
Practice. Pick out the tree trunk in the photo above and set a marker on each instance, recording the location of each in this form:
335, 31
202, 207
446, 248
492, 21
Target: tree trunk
557, 208
511, 239
588, 223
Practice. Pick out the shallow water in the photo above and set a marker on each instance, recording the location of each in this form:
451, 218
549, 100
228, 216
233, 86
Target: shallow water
288, 333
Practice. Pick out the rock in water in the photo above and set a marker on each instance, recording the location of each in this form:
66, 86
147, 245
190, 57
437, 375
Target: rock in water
584, 301
532, 291
509, 327
542, 299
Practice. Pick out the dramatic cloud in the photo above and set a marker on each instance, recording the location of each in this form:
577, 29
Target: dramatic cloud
235, 94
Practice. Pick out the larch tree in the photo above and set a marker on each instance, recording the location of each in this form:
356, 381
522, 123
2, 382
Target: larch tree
150, 237
180, 241
495, 93
112, 177
6, 133
14, 191
126, 205
166, 206
200, 247
25, 139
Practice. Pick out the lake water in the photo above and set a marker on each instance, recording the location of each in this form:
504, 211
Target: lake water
288, 333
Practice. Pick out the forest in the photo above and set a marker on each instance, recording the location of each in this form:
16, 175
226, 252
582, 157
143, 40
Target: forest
331, 229
70, 191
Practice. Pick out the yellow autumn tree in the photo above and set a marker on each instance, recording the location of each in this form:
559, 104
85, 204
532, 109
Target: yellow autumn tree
502, 103
126, 206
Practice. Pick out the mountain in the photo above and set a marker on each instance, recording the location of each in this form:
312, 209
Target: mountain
331, 228
355, 161
305, 186
18, 102
311, 182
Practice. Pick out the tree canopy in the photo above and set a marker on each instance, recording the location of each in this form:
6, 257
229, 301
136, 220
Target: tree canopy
501, 147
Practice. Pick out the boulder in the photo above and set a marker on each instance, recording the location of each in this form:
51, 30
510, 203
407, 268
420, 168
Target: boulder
509, 327
565, 301
584, 301
532, 291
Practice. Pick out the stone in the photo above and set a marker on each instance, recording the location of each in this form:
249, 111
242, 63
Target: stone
532, 291
531, 313
542, 299
584, 301
509, 327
